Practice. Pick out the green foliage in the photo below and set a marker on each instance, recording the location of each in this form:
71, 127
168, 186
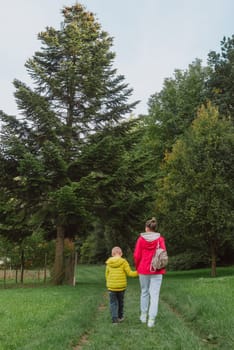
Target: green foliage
198, 181
73, 159
188, 260
172, 110
93, 250
220, 83
65, 206
36, 252
68, 146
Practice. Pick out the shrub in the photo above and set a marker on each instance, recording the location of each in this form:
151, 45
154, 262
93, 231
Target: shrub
188, 260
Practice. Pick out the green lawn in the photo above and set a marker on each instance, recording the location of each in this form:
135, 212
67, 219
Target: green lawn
195, 312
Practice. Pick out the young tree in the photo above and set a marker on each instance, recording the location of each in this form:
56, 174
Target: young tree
77, 94
198, 183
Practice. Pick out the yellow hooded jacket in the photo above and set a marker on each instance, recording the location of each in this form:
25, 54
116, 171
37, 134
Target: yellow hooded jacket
117, 270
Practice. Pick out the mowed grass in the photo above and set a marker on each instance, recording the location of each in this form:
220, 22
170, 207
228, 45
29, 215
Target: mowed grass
50, 317
205, 304
195, 312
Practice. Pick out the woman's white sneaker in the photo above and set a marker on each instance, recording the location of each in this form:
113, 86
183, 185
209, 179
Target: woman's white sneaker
143, 318
150, 323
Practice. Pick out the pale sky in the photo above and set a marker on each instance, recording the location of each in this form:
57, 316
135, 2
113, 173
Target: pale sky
152, 38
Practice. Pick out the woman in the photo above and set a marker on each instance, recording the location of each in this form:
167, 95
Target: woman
150, 281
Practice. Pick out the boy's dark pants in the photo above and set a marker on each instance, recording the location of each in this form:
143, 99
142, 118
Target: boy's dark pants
116, 305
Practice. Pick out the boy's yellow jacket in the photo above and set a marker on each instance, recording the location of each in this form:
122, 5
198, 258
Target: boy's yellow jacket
117, 270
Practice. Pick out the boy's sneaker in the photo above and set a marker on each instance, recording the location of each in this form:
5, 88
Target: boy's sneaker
150, 323
121, 319
143, 318
115, 321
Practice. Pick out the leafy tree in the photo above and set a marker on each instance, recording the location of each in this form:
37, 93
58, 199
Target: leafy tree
77, 95
196, 190
172, 110
220, 82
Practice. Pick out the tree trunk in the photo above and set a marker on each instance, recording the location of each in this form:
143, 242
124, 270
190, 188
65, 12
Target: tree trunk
22, 267
5, 272
45, 268
58, 273
69, 269
75, 266
213, 259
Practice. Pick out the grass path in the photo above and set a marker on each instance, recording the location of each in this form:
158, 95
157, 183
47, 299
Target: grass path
180, 320
170, 332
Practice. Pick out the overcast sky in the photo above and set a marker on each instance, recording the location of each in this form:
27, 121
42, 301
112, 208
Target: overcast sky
152, 38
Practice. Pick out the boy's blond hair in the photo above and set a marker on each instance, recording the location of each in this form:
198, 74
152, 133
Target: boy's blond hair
116, 251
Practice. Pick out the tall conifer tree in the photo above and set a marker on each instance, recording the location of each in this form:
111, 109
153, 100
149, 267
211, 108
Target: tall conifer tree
76, 95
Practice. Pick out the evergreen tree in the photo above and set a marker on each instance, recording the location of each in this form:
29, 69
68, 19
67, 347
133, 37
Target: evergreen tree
77, 94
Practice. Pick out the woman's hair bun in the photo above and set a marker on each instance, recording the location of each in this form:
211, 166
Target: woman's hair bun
152, 223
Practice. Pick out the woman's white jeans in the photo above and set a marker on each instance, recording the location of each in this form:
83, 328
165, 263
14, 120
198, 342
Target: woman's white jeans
150, 290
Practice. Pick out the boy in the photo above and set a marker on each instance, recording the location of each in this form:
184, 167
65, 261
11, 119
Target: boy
117, 270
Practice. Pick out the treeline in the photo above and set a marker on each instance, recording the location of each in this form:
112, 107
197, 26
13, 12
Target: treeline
32, 253
75, 166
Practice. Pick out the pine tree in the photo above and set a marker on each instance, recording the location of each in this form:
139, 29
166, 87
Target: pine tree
76, 95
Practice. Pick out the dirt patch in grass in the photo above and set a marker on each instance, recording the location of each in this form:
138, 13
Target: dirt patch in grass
85, 337
83, 340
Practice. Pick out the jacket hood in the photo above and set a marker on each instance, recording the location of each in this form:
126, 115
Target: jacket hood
150, 236
149, 240
115, 261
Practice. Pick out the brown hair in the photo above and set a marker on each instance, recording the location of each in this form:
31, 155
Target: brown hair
152, 224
